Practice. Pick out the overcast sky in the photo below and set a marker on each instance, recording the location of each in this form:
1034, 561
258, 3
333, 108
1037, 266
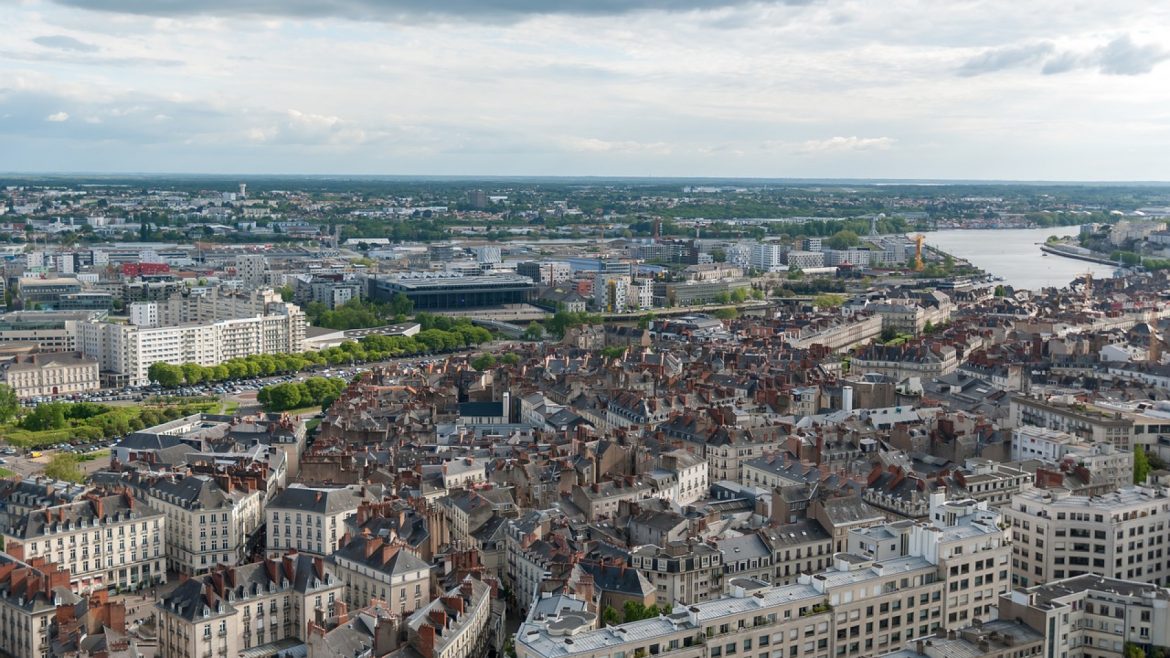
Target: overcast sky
1019, 89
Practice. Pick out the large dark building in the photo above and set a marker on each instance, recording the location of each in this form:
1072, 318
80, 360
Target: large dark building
444, 291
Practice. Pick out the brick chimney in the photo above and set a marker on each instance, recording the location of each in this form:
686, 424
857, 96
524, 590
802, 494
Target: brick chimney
426, 640
341, 611
455, 603
439, 618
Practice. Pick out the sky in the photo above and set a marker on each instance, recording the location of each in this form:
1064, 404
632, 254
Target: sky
954, 89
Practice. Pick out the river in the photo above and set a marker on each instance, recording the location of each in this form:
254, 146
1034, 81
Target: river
1014, 255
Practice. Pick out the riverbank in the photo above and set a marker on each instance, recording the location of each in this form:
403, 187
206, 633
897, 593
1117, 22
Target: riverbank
1056, 250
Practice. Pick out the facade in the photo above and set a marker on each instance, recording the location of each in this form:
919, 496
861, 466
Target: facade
206, 525
431, 291
682, 573
252, 269
767, 258
805, 260
454, 625
103, 541
56, 373
29, 594
373, 568
49, 331
689, 480
234, 609
1079, 421
1092, 617
129, 350
1121, 535
309, 520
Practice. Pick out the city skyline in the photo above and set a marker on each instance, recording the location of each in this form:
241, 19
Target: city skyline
663, 88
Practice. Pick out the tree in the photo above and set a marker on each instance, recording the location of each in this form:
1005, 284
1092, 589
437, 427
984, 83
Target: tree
634, 611
719, 255
511, 359
1000, 291
610, 616
828, 300
613, 352
843, 240
1141, 465
400, 304
165, 374
928, 328
726, 314
9, 405
646, 320
739, 295
64, 466
483, 362
49, 416
286, 293
534, 331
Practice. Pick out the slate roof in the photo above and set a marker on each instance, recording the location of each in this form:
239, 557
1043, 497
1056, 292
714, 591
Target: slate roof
317, 500
400, 562
302, 573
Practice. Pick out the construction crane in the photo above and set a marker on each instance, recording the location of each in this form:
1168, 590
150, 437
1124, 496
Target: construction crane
918, 242
1088, 284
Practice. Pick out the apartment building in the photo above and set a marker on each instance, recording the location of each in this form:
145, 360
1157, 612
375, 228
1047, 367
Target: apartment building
454, 625
687, 480
373, 568
1073, 418
309, 519
992, 482
1103, 466
207, 524
233, 609
203, 329
1092, 617
965, 542
767, 258
103, 541
29, 595
682, 573
789, 621
50, 331
1121, 535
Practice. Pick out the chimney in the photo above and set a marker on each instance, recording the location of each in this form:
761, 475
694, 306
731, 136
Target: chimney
439, 618
341, 611
426, 640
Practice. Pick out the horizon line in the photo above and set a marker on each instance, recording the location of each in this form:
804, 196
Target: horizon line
569, 177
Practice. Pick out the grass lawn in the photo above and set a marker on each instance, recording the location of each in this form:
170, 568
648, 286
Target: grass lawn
6, 473
90, 456
312, 424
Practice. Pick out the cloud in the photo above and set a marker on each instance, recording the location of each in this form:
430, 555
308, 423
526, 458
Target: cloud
998, 59
58, 117
62, 42
396, 10
1121, 56
845, 145
594, 145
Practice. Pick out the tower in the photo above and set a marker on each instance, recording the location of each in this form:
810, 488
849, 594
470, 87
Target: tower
243, 190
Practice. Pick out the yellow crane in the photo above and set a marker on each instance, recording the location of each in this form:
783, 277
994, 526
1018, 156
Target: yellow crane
918, 242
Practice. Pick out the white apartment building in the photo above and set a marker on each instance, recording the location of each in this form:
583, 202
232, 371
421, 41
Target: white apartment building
206, 525
103, 541
130, 350
964, 540
309, 519
681, 573
1123, 535
1092, 617
234, 609
767, 258
805, 260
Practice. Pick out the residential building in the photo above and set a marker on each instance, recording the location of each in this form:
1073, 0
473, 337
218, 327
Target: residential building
104, 541
1074, 418
252, 269
548, 273
51, 374
767, 258
992, 482
1092, 617
455, 625
1121, 534
373, 568
686, 474
792, 620
601, 499
206, 523
29, 595
234, 609
49, 331
309, 519
804, 260
682, 573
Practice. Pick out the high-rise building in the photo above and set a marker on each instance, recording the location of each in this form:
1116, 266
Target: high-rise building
767, 258
252, 269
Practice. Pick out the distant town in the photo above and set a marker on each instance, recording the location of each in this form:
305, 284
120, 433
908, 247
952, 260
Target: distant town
578, 418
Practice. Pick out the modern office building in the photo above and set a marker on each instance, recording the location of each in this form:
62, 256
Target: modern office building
548, 273
49, 331
444, 291
767, 258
